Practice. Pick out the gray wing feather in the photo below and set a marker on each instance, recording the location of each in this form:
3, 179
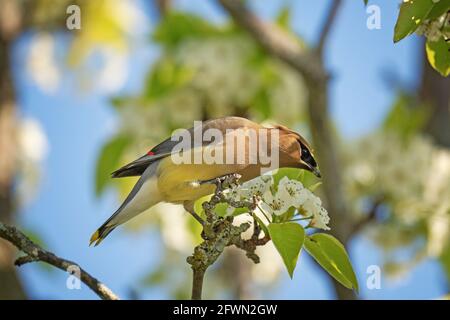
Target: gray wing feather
165, 148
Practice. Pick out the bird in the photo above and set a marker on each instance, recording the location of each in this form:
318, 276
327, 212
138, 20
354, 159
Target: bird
163, 178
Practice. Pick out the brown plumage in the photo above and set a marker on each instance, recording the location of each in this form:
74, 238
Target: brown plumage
163, 179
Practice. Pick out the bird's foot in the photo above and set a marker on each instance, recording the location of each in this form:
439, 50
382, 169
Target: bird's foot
223, 182
189, 207
197, 217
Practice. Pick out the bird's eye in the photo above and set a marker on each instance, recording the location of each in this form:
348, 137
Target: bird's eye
306, 155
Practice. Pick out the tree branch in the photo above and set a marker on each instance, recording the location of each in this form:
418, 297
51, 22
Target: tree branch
219, 233
327, 25
275, 40
163, 6
36, 253
309, 65
371, 216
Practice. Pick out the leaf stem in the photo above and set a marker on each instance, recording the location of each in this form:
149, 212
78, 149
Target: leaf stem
301, 219
264, 214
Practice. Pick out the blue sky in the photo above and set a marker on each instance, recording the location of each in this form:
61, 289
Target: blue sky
66, 211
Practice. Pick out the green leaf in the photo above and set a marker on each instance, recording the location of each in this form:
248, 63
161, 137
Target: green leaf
331, 255
156, 277
438, 53
314, 186
291, 173
288, 239
261, 103
177, 27
439, 9
119, 101
412, 14
165, 77
108, 161
404, 118
198, 205
220, 209
283, 18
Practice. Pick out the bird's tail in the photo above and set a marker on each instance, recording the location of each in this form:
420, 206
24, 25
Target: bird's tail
101, 233
143, 195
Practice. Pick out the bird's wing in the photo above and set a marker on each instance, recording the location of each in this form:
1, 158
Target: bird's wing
138, 166
165, 148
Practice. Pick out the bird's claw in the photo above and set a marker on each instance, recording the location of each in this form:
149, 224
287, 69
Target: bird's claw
226, 181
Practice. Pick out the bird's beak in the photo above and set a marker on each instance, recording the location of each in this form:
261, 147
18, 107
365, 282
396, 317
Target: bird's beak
316, 172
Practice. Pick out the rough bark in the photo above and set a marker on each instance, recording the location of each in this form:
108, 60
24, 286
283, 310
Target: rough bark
434, 91
10, 25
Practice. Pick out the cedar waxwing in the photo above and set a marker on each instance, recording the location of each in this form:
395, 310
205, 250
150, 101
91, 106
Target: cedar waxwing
164, 178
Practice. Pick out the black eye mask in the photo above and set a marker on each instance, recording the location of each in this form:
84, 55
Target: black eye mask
307, 157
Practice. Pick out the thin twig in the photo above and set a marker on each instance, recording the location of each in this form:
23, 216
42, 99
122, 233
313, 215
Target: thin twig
371, 216
276, 41
328, 24
36, 253
264, 214
163, 6
302, 219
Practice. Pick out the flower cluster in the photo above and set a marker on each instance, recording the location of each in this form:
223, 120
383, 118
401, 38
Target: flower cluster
41, 63
382, 163
224, 74
32, 150
434, 30
278, 200
413, 178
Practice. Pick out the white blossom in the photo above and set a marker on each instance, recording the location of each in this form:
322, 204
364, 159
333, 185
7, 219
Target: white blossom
270, 266
33, 143
277, 200
33, 148
114, 70
255, 187
41, 62
174, 228
276, 204
293, 191
413, 178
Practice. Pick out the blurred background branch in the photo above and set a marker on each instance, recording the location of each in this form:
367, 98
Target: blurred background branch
35, 253
328, 23
290, 52
11, 25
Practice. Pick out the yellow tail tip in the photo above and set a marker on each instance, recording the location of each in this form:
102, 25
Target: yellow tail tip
95, 238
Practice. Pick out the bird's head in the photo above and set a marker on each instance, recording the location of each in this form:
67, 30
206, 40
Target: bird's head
297, 151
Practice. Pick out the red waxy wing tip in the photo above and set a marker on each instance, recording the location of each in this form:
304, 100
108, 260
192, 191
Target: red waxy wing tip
150, 153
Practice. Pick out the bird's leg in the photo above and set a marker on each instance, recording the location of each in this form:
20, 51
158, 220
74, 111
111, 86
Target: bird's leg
189, 207
223, 182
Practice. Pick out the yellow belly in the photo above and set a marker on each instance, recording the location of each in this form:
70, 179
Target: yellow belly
180, 182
